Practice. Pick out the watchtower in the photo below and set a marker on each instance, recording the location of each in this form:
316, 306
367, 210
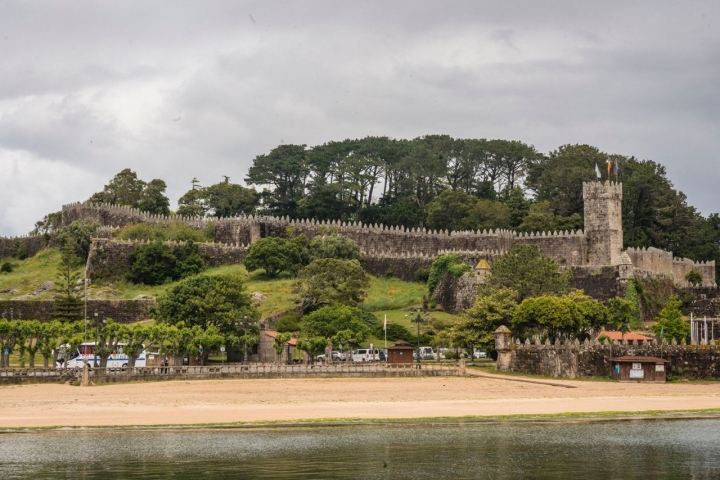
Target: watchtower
603, 222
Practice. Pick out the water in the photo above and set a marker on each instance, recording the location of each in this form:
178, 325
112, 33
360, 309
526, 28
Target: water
613, 449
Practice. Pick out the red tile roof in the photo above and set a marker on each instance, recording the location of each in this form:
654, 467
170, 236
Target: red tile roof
640, 359
271, 333
630, 336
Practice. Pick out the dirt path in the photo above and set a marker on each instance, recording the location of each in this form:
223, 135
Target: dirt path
221, 401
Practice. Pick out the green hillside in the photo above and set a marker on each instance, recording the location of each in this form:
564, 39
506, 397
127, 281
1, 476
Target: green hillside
386, 296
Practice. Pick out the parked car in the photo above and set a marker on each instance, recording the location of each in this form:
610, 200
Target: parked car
336, 357
366, 355
479, 354
426, 353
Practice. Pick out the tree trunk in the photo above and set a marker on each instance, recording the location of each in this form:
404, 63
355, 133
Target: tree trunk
31, 362
46, 361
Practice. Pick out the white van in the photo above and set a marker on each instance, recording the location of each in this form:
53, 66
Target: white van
117, 359
366, 355
426, 353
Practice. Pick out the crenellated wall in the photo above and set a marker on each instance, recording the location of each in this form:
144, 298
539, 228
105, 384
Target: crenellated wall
574, 359
110, 258
120, 215
653, 261
400, 250
566, 248
33, 244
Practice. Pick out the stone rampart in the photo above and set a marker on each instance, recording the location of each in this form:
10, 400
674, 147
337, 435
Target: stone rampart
654, 261
566, 248
109, 259
573, 359
600, 283
122, 311
32, 244
120, 215
404, 267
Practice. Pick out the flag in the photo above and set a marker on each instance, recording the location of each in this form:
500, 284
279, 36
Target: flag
597, 170
616, 170
661, 333
385, 323
609, 165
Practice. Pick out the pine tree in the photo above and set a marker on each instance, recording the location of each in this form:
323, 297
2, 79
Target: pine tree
68, 304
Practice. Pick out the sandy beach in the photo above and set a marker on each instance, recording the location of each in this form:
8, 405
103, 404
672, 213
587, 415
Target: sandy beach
230, 401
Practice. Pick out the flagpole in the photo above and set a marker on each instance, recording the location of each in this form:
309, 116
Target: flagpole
385, 328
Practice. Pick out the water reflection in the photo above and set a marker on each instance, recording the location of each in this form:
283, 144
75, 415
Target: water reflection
639, 449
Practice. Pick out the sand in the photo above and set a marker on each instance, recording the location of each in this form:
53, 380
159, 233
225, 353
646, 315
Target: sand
291, 400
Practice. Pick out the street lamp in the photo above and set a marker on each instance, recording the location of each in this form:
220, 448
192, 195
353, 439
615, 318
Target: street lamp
416, 316
97, 325
245, 324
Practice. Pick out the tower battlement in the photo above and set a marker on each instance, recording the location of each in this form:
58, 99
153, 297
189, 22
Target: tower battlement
603, 222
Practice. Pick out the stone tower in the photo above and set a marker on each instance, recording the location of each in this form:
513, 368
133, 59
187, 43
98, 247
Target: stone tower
603, 222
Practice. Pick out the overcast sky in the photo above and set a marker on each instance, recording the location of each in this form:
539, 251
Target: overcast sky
177, 90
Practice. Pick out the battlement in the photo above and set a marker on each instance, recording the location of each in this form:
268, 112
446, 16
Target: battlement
599, 189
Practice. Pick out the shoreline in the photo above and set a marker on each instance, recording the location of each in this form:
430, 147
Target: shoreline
263, 403
564, 418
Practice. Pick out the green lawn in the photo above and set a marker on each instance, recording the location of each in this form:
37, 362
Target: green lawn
29, 274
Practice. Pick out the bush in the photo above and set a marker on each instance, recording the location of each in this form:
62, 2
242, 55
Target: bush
156, 263
6, 267
422, 274
79, 234
21, 251
694, 278
287, 323
442, 264
395, 332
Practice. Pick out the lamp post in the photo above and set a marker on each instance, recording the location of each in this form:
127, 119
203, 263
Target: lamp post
97, 326
245, 325
416, 316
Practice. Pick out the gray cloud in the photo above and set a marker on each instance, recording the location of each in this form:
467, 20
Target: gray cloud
178, 91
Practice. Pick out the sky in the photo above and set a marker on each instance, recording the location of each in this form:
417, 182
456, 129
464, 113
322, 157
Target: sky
180, 89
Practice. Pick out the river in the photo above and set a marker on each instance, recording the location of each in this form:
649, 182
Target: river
502, 450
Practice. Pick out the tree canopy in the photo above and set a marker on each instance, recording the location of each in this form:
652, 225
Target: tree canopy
530, 273
330, 281
205, 300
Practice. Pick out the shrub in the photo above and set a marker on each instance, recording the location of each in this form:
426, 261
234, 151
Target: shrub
694, 278
442, 264
395, 332
422, 274
21, 251
6, 267
177, 231
156, 263
287, 323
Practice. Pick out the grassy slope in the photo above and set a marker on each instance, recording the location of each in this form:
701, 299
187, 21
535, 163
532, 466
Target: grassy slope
29, 274
386, 296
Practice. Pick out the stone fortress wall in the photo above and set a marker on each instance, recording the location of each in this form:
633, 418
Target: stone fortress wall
575, 359
401, 250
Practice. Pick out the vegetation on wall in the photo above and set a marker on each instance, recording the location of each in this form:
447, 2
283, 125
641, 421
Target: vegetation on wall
157, 263
163, 232
442, 264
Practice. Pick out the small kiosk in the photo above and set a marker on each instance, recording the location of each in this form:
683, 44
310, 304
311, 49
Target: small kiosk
399, 353
639, 369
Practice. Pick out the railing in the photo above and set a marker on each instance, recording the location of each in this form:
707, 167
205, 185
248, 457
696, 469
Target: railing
259, 370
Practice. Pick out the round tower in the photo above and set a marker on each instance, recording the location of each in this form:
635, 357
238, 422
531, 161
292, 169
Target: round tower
603, 222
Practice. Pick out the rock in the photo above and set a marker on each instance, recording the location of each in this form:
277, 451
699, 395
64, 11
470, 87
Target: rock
11, 291
143, 297
257, 297
28, 296
46, 287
